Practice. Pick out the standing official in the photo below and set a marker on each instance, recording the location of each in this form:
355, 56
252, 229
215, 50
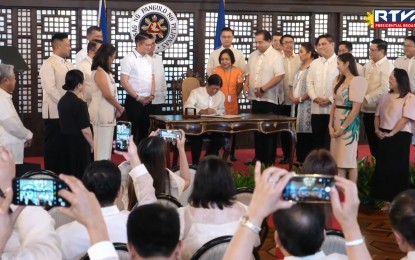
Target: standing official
13, 134
137, 78
93, 33
159, 79
52, 78
226, 37
265, 72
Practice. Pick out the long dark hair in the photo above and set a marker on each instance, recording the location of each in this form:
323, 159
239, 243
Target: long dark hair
72, 79
152, 153
346, 57
213, 185
102, 56
310, 49
402, 79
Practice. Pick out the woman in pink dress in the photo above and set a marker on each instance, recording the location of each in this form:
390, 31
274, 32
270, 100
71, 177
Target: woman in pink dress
344, 125
394, 122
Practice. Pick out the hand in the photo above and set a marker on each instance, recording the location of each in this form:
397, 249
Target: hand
131, 155
7, 220
240, 79
318, 100
210, 111
28, 143
331, 131
296, 101
181, 141
380, 134
338, 132
267, 197
92, 149
154, 133
345, 212
84, 208
258, 93
7, 168
119, 112
390, 134
325, 102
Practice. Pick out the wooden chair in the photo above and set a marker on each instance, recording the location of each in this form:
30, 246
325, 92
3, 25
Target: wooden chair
215, 249
168, 200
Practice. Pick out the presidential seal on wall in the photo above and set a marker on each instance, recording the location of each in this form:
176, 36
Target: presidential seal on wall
158, 20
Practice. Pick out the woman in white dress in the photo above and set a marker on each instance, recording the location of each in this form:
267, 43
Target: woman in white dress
212, 210
104, 107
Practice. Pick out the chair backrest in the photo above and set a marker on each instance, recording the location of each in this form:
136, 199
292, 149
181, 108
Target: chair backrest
59, 217
215, 249
183, 198
244, 195
121, 250
40, 174
334, 243
168, 200
188, 84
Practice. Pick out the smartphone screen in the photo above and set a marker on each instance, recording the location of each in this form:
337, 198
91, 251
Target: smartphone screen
38, 192
170, 135
311, 188
123, 136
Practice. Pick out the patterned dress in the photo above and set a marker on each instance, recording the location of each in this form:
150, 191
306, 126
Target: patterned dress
344, 148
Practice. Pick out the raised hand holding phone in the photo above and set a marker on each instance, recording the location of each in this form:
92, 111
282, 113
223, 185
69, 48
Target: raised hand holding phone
123, 130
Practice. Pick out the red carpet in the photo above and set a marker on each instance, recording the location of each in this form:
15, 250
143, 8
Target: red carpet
242, 154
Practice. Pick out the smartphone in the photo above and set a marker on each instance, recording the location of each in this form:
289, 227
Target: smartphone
170, 135
39, 192
122, 139
309, 188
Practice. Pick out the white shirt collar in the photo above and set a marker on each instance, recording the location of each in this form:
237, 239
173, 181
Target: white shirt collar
270, 48
331, 59
58, 57
317, 256
137, 54
5, 94
111, 210
377, 64
288, 58
88, 59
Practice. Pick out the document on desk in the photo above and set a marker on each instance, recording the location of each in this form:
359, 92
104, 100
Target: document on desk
222, 116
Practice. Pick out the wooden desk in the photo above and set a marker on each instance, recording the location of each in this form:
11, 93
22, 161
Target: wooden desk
264, 123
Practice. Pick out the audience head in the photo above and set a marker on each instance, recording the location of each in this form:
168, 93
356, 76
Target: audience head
307, 52
104, 57
262, 40
143, 43
153, 230
214, 83
74, 79
7, 78
402, 218
378, 49
325, 45
399, 82
94, 33
226, 58
226, 37
288, 44
61, 45
103, 178
92, 47
345, 47
299, 230
152, 153
276, 41
409, 46
319, 162
213, 184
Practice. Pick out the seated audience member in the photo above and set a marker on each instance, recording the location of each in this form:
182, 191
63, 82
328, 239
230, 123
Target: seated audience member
212, 210
141, 180
402, 218
153, 232
267, 198
207, 101
27, 232
151, 151
86, 210
322, 162
103, 178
